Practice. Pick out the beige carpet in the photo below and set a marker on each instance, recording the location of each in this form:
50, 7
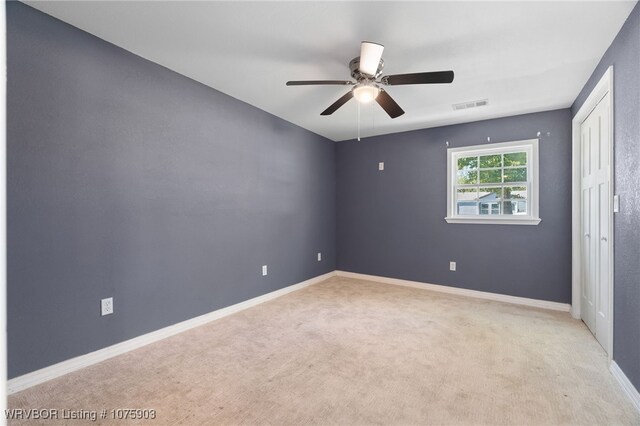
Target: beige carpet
354, 352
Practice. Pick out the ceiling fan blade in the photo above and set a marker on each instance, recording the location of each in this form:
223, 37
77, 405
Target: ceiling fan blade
337, 104
388, 104
370, 54
435, 77
320, 82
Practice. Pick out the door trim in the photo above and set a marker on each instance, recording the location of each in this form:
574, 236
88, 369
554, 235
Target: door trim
604, 86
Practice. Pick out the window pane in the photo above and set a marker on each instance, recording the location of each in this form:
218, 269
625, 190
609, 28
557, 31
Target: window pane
517, 196
514, 207
467, 208
515, 192
488, 161
487, 195
467, 201
490, 176
515, 175
466, 163
515, 159
466, 177
495, 208
467, 194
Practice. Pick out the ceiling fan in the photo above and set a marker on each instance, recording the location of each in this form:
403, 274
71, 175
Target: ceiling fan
366, 69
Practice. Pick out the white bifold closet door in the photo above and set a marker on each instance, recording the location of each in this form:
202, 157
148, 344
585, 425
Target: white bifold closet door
596, 214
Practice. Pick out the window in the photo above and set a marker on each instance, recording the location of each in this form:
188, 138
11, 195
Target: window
493, 183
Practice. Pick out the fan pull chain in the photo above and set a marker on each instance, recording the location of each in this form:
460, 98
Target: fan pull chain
358, 121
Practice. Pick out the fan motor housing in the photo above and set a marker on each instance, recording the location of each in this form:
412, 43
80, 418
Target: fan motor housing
354, 66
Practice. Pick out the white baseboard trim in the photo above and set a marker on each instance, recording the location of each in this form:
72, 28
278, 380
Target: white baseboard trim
556, 306
626, 384
39, 376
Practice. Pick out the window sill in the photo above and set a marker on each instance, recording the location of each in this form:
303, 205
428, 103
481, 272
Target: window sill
495, 221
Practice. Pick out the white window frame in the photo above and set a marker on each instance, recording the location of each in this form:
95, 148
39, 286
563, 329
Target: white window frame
531, 147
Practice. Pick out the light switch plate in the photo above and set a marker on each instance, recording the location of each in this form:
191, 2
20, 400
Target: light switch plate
381, 166
264, 270
452, 266
616, 203
319, 257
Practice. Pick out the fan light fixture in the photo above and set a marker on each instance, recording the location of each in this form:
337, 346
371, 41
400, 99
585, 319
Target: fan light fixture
366, 92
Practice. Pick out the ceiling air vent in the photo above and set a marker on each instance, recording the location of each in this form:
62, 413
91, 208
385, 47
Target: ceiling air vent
471, 104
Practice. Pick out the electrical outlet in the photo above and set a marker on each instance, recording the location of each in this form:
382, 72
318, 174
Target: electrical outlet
381, 166
264, 270
106, 306
452, 266
319, 257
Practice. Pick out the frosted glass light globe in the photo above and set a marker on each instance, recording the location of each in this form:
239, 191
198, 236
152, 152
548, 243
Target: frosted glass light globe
366, 92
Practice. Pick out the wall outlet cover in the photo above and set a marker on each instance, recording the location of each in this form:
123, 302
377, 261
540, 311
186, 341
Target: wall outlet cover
319, 257
381, 166
264, 270
452, 266
106, 306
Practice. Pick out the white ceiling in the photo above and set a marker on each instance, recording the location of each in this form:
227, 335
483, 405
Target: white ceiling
522, 56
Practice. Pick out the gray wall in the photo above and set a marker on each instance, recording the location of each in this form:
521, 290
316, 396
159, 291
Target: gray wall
126, 179
624, 55
391, 223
